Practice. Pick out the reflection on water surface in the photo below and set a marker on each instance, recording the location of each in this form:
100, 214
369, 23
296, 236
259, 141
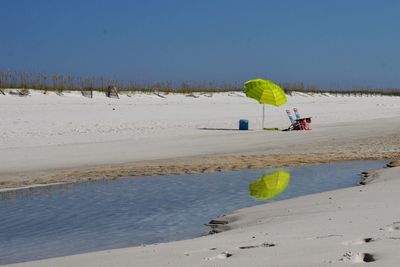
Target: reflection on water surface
270, 185
76, 218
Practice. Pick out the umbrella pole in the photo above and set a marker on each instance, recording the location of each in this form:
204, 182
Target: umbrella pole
263, 117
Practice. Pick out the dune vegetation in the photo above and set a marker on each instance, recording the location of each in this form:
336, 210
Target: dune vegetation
59, 82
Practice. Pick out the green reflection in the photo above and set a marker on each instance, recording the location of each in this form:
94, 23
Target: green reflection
270, 185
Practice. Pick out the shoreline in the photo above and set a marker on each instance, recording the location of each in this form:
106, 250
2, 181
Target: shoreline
179, 166
256, 234
211, 222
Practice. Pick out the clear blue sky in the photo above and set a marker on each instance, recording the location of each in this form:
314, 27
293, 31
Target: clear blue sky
328, 43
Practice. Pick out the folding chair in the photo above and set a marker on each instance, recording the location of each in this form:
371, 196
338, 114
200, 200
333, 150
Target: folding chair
299, 123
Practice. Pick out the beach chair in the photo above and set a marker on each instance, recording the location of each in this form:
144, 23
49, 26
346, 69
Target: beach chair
298, 123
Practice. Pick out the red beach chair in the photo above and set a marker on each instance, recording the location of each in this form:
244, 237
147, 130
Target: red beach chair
299, 123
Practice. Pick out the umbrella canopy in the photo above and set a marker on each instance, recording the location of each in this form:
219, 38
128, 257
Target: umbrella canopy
265, 92
270, 185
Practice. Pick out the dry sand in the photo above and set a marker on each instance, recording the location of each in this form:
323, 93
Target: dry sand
49, 138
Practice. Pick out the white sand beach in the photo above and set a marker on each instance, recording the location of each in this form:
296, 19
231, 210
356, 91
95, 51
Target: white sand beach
50, 138
122, 141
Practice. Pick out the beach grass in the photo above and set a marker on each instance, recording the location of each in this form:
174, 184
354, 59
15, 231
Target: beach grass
58, 82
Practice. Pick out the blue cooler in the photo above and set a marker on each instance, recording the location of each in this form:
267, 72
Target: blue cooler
243, 124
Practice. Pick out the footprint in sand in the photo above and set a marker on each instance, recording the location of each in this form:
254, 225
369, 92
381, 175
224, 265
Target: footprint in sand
358, 257
393, 227
263, 245
189, 253
222, 256
359, 241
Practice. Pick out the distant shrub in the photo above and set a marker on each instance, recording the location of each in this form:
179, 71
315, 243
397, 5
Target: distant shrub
67, 82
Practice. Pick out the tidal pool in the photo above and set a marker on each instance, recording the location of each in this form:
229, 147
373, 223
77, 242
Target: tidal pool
60, 220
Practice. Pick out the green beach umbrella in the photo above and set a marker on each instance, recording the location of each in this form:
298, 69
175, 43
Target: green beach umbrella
265, 92
270, 185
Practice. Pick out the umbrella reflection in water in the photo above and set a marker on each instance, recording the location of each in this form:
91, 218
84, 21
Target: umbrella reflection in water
270, 185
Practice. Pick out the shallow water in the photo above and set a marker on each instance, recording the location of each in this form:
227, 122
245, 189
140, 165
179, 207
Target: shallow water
68, 219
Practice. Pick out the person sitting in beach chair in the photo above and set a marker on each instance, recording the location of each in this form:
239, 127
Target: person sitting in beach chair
299, 123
